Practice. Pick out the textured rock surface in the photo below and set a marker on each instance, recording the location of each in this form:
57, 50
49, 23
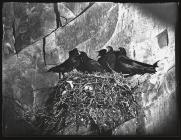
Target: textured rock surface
160, 106
103, 24
128, 128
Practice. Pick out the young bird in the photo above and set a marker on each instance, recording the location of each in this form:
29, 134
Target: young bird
89, 65
132, 67
68, 65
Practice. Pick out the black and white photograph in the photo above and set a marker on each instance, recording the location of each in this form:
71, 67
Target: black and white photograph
89, 69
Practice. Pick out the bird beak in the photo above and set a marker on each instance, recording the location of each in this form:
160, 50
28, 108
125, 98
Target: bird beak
107, 49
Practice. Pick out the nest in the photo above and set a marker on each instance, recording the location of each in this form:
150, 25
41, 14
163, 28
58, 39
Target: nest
94, 102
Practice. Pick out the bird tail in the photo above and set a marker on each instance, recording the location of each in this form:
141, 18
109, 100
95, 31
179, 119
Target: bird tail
150, 70
50, 70
46, 71
156, 64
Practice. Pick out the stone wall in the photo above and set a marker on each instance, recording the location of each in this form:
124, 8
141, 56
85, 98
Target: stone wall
137, 33
119, 25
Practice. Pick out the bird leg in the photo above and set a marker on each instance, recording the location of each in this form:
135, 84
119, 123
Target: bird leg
59, 75
63, 75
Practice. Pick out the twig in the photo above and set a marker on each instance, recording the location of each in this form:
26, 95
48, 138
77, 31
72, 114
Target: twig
171, 67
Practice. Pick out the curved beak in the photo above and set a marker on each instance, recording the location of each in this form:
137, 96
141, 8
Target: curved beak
79, 52
107, 49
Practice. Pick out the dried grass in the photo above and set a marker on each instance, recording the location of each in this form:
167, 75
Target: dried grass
96, 101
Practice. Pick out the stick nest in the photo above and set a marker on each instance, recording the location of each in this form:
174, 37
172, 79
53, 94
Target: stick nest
96, 101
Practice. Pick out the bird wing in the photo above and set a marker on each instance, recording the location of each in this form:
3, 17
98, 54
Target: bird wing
144, 64
130, 61
57, 69
125, 59
128, 66
111, 60
138, 67
117, 53
133, 62
64, 67
93, 65
75, 61
102, 61
81, 66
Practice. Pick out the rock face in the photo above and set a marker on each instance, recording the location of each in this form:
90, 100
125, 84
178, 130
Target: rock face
160, 107
115, 24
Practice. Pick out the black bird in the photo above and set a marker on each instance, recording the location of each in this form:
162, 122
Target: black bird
107, 59
81, 67
102, 60
121, 51
74, 52
68, 65
89, 65
132, 67
102, 52
111, 57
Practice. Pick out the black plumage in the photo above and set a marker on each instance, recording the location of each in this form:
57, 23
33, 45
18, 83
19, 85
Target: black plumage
110, 58
74, 52
107, 59
102, 59
81, 67
89, 65
132, 67
121, 51
68, 65
102, 52
119, 62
